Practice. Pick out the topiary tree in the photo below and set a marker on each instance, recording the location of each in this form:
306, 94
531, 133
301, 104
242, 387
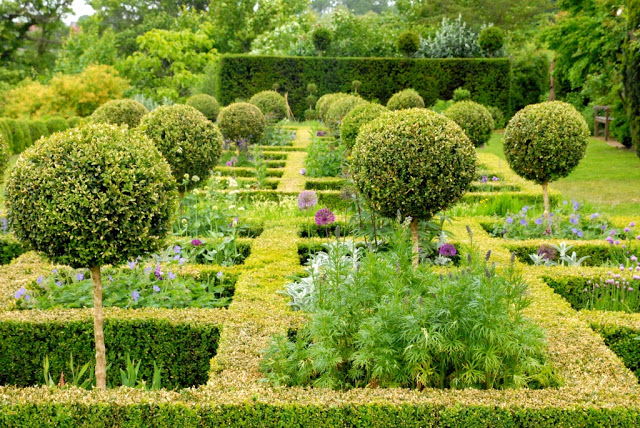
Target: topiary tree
189, 141
339, 109
271, 104
461, 94
92, 196
321, 38
358, 116
242, 122
491, 40
474, 118
407, 98
120, 112
205, 104
408, 43
544, 142
413, 162
324, 103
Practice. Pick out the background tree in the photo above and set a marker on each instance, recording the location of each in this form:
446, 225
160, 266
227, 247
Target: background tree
321, 39
632, 70
491, 40
408, 43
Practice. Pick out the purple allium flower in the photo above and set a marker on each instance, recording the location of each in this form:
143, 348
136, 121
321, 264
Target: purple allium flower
158, 272
638, 237
39, 281
539, 221
633, 258
229, 163
177, 249
321, 133
196, 242
307, 199
303, 171
509, 220
523, 222
494, 178
156, 289
627, 230
171, 275
131, 264
616, 242
80, 276
484, 179
632, 224
135, 296
21, 292
613, 232
609, 239
447, 250
324, 217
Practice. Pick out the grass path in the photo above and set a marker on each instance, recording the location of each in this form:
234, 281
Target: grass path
607, 177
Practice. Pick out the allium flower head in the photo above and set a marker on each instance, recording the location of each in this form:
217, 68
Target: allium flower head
229, 163
494, 178
484, 179
196, 242
307, 199
547, 252
447, 250
324, 217
632, 224
303, 171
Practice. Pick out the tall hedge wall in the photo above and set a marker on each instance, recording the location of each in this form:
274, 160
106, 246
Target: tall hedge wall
241, 76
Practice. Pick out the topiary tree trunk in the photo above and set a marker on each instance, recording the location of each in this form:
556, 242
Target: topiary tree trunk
632, 71
98, 332
415, 238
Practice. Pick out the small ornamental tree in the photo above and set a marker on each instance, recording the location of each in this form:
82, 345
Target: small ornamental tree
408, 98
189, 141
271, 104
544, 142
205, 104
321, 38
408, 43
120, 112
491, 40
358, 116
474, 118
339, 109
242, 122
324, 103
413, 162
92, 196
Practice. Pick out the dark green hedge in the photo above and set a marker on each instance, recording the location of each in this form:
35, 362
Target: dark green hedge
183, 350
625, 342
21, 134
9, 250
598, 254
309, 416
241, 76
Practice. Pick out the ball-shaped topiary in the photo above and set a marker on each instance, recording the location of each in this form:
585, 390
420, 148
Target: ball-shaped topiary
461, 94
414, 162
405, 99
321, 38
92, 196
408, 43
242, 121
189, 142
339, 110
271, 104
324, 103
358, 116
205, 104
544, 142
474, 118
120, 112
491, 40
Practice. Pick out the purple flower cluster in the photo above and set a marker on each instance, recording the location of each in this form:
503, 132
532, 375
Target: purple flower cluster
22, 292
307, 199
447, 250
324, 217
196, 242
321, 133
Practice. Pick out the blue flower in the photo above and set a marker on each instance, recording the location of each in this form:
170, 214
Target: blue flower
565, 203
539, 221
509, 220
525, 209
54, 271
132, 265
156, 289
147, 269
580, 234
171, 275
177, 249
58, 283
576, 205
574, 219
39, 279
110, 278
176, 257
219, 275
80, 276
135, 296
523, 222
181, 261
21, 292
593, 216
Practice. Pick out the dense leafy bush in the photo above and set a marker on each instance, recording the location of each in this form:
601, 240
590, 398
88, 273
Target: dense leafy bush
324, 103
38, 129
189, 142
624, 342
408, 43
5, 154
74, 121
474, 119
358, 116
271, 104
56, 124
452, 40
491, 40
405, 99
242, 121
240, 76
498, 117
205, 104
339, 109
544, 142
461, 94
632, 73
120, 112
325, 158
321, 38
376, 322
529, 81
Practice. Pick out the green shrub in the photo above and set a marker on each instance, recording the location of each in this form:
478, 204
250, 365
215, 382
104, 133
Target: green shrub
338, 110
271, 104
242, 121
461, 94
544, 142
240, 76
408, 43
205, 104
120, 112
56, 124
38, 129
491, 40
325, 158
498, 117
26, 132
17, 138
182, 350
5, 155
474, 119
321, 38
623, 341
405, 99
117, 195
529, 81
353, 121
412, 163
324, 103
75, 121
188, 141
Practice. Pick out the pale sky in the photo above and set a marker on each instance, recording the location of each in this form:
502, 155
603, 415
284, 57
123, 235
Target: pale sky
80, 7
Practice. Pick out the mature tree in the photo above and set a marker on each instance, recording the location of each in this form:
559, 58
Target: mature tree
632, 71
359, 7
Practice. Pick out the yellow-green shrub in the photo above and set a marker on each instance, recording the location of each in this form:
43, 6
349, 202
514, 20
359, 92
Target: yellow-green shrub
120, 112
474, 119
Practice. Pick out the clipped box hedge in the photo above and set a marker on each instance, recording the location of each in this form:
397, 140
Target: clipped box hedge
241, 76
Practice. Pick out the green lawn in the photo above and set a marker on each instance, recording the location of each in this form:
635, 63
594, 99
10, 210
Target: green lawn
606, 177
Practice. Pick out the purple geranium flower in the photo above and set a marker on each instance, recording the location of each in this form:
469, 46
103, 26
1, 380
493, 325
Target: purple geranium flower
196, 242
80, 276
131, 264
324, 217
307, 199
219, 275
158, 272
39, 281
447, 250
135, 296
21, 292
156, 289
509, 220
523, 222
539, 221
171, 275
177, 249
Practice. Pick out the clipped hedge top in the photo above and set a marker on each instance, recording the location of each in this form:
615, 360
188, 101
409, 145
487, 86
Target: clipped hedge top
408, 98
271, 104
120, 112
242, 121
205, 104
